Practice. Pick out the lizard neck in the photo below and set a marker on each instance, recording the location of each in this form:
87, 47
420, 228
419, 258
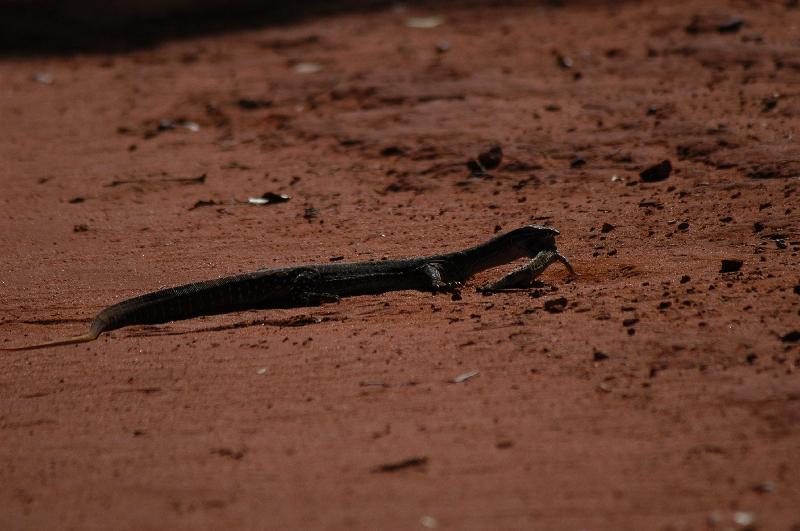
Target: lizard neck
495, 252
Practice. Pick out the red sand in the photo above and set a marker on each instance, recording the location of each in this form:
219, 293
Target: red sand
245, 421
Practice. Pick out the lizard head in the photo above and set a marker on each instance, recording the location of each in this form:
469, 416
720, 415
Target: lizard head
533, 239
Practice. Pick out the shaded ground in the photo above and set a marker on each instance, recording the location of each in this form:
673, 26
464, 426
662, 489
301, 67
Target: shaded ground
665, 395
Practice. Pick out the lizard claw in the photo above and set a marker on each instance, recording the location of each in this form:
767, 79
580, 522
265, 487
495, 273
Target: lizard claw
448, 287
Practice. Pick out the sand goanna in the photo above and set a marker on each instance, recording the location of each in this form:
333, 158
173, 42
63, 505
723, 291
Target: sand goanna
312, 284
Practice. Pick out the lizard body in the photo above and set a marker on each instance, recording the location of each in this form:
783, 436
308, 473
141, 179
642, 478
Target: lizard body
313, 284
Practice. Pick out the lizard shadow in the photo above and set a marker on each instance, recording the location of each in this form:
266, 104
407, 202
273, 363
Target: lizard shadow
295, 321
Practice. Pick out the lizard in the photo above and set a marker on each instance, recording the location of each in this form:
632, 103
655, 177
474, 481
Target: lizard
315, 284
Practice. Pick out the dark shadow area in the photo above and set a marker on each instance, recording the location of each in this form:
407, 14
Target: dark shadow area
64, 27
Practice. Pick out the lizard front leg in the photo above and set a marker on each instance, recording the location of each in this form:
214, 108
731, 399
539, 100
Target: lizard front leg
435, 282
306, 289
522, 277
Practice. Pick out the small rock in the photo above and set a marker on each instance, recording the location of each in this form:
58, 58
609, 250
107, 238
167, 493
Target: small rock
714, 518
577, 162
791, 337
392, 151
307, 68
429, 522
599, 356
744, 518
685, 279
491, 158
718, 23
797, 289
656, 173
604, 388
556, 305
563, 61
751, 358
758, 226
629, 322
251, 104
765, 487
165, 124
606, 228
487, 160
683, 226
732, 25
424, 22
43, 78
731, 265
80, 228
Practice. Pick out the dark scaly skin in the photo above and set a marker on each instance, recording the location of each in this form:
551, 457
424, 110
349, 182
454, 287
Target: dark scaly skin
309, 285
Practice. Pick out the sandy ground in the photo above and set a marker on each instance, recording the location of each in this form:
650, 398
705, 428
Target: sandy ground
665, 395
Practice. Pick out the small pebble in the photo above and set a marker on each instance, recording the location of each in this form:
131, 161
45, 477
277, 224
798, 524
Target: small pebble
765, 487
307, 68
429, 522
577, 162
556, 305
43, 78
791, 337
659, 172
714, 518
731, 265
744, 518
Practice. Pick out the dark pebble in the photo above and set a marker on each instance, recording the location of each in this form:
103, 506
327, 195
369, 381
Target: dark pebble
758, 226
797, 289
683, 226
656, 173
685, 279
663, 305
751, 358
711, 23
250, 104
791, 337
392, 151
556, 305
488, 160
607, 227
491, 158
599, 356
577, 162
731, 265
630, 322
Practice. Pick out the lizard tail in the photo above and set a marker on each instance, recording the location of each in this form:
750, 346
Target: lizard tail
83, 338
